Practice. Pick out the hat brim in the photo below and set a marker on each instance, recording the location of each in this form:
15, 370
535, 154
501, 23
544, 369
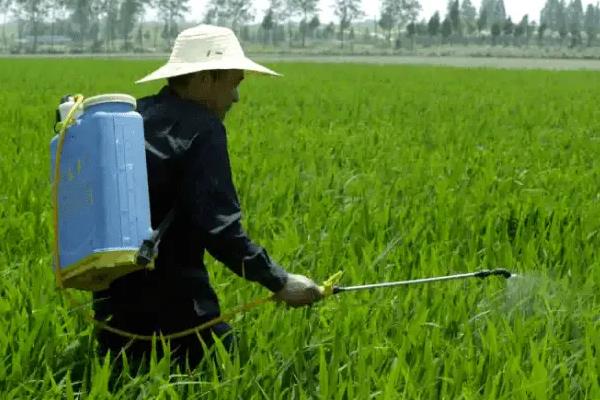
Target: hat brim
173, 69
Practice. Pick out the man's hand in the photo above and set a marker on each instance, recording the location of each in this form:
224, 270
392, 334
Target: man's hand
299, 291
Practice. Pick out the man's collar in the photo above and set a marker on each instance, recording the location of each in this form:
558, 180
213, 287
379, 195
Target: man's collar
166, 92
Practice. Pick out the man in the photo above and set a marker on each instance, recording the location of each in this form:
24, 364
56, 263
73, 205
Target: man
189, 172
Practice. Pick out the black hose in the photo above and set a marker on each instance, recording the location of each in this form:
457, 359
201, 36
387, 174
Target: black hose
498, 272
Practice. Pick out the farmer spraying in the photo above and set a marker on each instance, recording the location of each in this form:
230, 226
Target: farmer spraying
141, 189
194, 200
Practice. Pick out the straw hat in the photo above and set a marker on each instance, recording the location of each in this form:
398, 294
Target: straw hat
202, 48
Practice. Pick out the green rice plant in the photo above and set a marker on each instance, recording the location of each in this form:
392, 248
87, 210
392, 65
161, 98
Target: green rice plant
383, 172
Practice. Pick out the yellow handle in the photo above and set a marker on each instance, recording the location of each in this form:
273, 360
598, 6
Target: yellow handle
329, 284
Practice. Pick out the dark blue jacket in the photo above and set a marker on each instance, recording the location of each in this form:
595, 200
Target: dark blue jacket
188, 170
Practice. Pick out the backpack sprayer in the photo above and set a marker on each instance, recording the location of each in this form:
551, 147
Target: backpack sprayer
101, 202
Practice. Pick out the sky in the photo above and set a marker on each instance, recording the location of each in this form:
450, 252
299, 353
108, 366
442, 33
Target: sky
515, 8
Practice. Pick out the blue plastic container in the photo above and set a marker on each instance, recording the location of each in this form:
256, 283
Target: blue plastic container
103, 206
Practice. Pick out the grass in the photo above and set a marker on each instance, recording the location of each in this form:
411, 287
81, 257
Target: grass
384, 172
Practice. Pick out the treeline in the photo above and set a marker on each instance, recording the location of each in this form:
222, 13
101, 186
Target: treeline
88, 25
119, 25
560, 22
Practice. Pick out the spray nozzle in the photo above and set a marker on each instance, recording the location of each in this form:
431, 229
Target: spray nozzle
498, 272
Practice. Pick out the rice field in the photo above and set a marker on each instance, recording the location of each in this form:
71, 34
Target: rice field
382, 172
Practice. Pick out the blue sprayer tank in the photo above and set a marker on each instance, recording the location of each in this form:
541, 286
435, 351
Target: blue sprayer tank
103, 201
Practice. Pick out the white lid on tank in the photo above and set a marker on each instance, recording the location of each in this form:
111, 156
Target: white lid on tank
109, 98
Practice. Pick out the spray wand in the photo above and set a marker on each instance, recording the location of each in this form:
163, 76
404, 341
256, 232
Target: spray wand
479, 274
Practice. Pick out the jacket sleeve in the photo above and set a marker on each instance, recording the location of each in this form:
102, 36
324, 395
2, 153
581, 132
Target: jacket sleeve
209, 197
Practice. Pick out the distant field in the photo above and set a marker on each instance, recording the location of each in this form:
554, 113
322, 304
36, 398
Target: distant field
448, 61
385, 172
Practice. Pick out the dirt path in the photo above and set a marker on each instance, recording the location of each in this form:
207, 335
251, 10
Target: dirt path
464, 62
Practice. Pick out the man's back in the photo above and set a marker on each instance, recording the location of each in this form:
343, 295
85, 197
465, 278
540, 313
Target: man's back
189, 172
169, 297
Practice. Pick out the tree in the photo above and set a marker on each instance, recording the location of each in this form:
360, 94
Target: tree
397, 13
433, 26
386, 22
531, 30
139, 37
128, 15
306, 8
34, 12
232, 13
93, 30
86, 14
499, 13
454, 16
411, 31
446, 28
492, 12
469, 16
492, 15
111, 12
482, 21
496, 30
273, 19
575, 21
212, 14
56, 8
550, 14
508, 28
410, 10
347, 11
591, 23
367, 35
289, 12
313, 25
5, 5
486, 14
522, 29
562, 20
171, 11
541, 31
240, 12
277, 7
416, 28
421, 27
329, 31
267, 24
